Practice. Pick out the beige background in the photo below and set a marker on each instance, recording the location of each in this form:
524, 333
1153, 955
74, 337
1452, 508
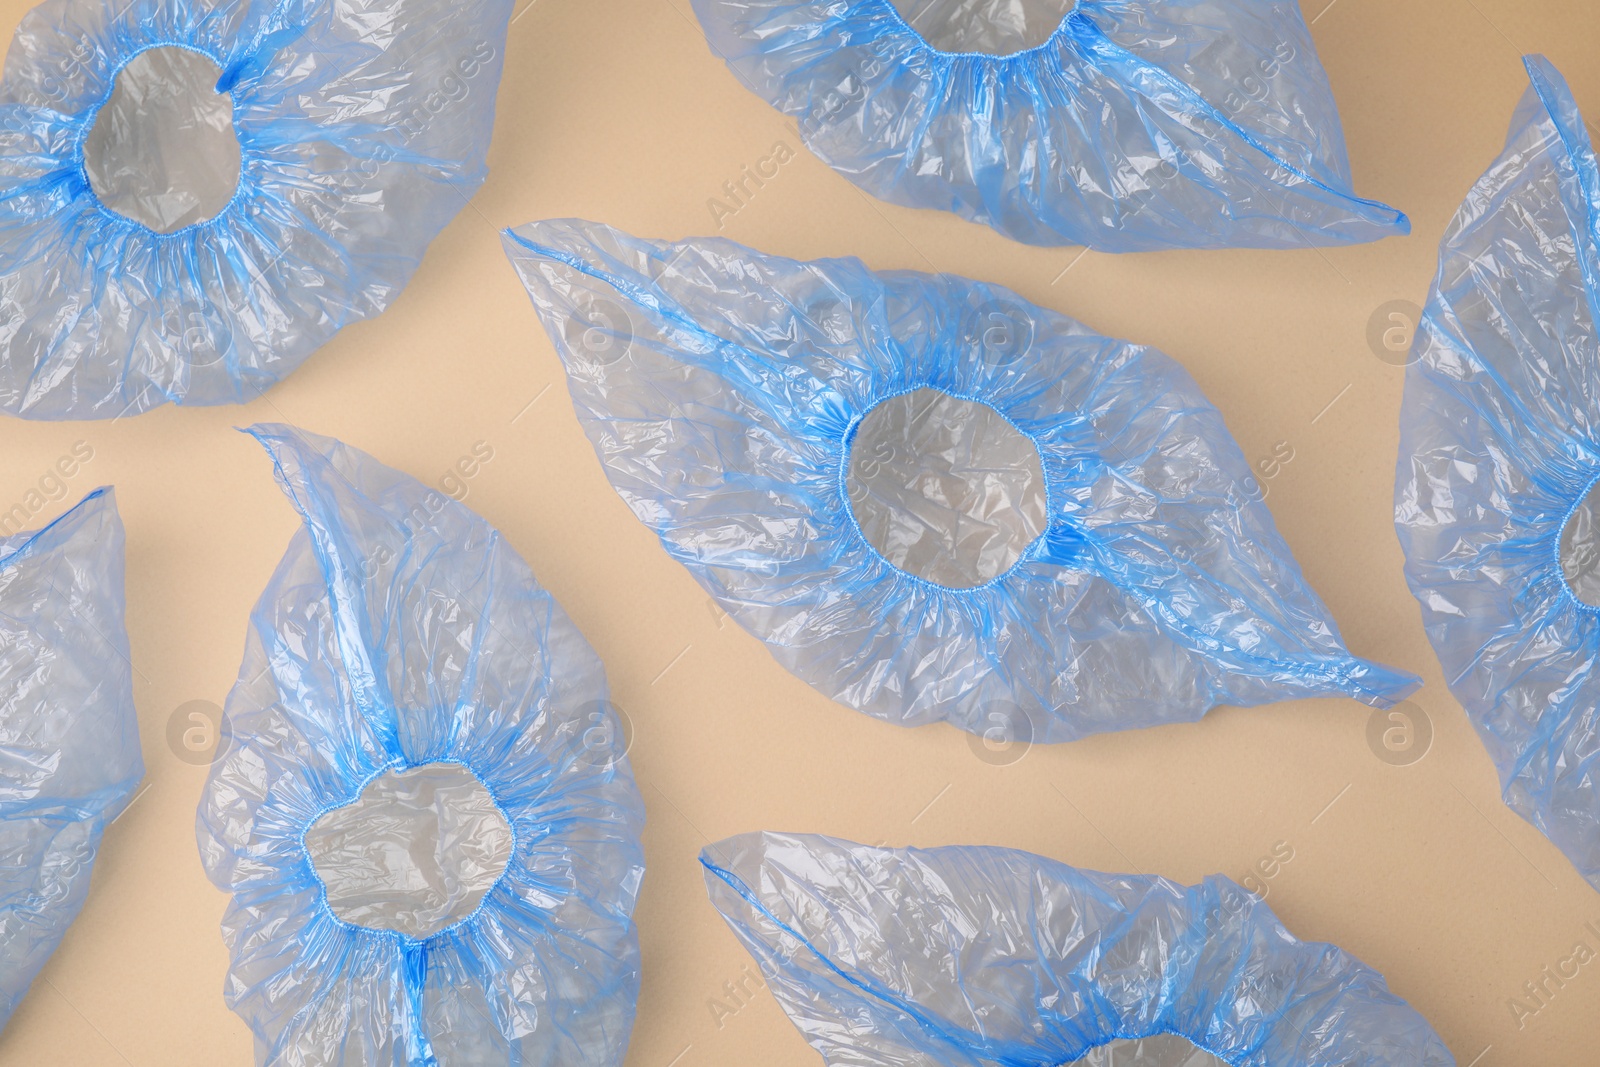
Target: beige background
616, 110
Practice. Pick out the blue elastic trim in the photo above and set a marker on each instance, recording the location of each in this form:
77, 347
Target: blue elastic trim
1027, 554
894, 15
27, 547
398, 766
1555, 550
1096, 38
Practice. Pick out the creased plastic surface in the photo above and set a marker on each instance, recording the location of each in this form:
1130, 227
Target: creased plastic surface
415, 852
362, 130
721, 388
69, 738
1500, 446
988, 957
162, 150
945, 488
400, 631
1137, 124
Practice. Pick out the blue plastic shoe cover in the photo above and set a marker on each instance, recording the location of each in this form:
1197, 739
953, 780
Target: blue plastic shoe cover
989, 957
931, 499
194, 197
1496, 498
422, 807
1136, 124
69, 738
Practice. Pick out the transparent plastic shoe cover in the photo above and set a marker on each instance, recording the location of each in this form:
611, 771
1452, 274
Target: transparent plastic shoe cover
424, 809
195, 195
931, 499
69, 738
988, 957
1495, 499
1123, 125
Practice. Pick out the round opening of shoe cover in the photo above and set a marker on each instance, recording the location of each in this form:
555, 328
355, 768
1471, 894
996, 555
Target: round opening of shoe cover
163, 151
931, 499
944, 488
992, 27
196, 196
1499, 469
978, 957
1123, 125
421, 803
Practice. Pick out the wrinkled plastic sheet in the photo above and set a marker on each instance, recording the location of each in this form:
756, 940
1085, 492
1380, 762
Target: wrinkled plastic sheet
194, 197
162, 150
416, 851
69, 737
1499, 459
1129, 125
983, 957
851, 464
423, 811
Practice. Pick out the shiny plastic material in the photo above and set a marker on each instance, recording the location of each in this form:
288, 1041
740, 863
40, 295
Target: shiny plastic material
724, 391
945, 488
69, 738
1134, 125
415, 852
162, 150
988, 957
1499, 458
160, 242
423, 808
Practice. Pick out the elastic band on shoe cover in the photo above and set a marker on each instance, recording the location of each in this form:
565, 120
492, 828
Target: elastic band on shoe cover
974, 957
194, 197
1123, 125
931, 499
1496, 485
423, 808
69, 736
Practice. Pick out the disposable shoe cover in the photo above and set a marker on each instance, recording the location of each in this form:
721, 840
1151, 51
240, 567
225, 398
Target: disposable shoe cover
1499, 459
988, 957
423, 809
195, 195
1134, 125
69, 738
931, 499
